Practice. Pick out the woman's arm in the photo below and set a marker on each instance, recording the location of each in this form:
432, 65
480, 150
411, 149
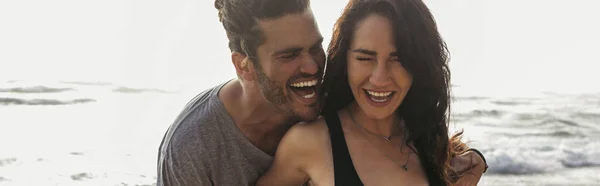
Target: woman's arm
291, 158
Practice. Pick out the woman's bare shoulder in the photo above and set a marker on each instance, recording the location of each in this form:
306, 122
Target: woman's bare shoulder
313, 132
313, 127
305, 138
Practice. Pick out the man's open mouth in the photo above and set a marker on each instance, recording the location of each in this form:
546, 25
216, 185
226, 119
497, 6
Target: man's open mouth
304, 89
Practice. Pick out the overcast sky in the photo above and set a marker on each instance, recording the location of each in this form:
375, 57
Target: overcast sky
503, 44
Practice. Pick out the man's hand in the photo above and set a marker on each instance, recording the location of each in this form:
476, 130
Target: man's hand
469, 167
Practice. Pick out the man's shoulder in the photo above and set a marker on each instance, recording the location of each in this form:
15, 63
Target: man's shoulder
198, 122
203, 100
186, 153
204, 107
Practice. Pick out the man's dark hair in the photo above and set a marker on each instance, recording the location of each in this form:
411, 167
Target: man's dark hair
240, 20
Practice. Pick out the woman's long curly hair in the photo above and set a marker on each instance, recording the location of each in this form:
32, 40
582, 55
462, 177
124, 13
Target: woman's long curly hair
425, 109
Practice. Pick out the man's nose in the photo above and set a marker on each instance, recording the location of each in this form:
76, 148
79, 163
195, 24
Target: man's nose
309, 65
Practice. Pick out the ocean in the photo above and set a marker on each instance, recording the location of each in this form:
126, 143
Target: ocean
88, 88
83, 133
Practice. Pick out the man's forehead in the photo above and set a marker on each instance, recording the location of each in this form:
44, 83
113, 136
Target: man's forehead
292, 30
267, 23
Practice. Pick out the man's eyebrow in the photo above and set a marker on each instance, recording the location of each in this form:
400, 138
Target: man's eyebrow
367, 52
318, 43
287, 50
296, 49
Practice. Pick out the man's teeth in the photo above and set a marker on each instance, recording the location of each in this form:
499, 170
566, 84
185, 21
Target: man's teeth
305, 84
379, 94
310, 95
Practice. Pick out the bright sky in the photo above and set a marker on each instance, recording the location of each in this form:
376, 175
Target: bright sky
496, 45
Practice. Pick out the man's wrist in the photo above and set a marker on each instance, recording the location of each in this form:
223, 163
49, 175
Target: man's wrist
482, 157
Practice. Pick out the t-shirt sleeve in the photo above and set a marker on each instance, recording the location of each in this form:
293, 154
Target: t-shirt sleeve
182, 170
183, 163
189, 154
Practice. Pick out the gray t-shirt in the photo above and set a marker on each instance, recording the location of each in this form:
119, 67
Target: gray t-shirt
205, 147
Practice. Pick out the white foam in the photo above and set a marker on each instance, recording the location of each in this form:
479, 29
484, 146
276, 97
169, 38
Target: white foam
543, 159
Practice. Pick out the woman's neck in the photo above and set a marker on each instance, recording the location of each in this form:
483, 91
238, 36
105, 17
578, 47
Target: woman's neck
389, 126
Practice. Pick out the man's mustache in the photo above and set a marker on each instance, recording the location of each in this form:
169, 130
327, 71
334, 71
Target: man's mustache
317, 75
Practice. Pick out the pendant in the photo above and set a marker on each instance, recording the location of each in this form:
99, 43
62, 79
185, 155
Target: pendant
387, 138
405, 167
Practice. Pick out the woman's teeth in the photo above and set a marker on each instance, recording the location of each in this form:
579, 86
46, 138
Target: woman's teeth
379, 96
379, 100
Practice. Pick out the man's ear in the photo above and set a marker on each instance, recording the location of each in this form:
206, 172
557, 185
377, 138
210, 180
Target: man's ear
243, 66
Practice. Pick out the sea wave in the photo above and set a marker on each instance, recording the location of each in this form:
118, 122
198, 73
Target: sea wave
138, 90
529, 116
587, 115
7, 161
87, 83
541, 160
511, 103
19, 101
579, 158
469, 98
35, 89
557, 122
553, 133
482, 113
77, 86
81, 176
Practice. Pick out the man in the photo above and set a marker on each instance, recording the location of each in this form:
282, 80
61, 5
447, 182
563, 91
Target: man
228, 134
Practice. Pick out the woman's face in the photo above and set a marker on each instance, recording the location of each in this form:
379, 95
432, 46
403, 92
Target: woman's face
378, 80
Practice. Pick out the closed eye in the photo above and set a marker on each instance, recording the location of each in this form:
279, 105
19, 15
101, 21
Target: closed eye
363, 59
289, 56
316, 49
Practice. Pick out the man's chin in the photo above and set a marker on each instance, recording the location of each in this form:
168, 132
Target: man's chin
308, 119
307, 115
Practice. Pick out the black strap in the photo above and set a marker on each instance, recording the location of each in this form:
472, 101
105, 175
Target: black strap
343, 168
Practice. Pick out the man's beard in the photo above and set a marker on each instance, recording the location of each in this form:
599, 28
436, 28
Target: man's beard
274, 93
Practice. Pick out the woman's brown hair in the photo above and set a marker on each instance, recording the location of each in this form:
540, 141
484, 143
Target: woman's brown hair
424, 54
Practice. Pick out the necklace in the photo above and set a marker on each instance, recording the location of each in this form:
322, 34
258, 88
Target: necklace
386, 138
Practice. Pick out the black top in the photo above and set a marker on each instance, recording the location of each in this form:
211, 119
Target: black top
343, 168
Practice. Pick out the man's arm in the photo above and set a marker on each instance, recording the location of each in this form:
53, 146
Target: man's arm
468, 164
469, 167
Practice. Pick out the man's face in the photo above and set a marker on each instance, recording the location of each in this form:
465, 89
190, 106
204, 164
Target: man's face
291, 63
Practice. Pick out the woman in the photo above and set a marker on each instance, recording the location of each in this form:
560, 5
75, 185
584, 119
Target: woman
386, 104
